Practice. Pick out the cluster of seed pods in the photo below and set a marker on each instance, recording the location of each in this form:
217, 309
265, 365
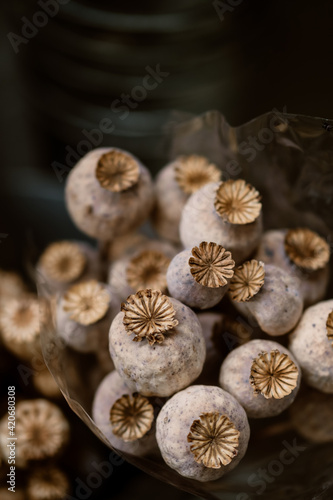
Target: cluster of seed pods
154, 309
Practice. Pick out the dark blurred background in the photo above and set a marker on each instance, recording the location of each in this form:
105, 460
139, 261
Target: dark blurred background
75, 76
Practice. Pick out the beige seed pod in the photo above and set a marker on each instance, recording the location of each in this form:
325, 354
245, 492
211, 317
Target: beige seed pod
84, 313
21, 322
268, 294
148, 270
41, 430
109, 193
142, 267
312, 346
307, 249
272, 250
219, 212
202, 432
263, 376
199, 277
174, 184
47, 483
167, 334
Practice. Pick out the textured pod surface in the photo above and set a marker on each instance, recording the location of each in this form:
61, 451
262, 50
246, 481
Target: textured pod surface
101, 213
176, 418
160, 369
278, 306
85, 338
201, 222
108, 392
182, 285
235, 378
271, 250
312, 348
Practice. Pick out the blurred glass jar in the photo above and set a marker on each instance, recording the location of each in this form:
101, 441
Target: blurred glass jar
112, 74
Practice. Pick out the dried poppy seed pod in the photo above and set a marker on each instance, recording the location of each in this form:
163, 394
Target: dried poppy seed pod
312, 416
168, 351
109, 193
199, 277
64, 263
41, 431
110, 391
47, 483
292, 250
174, 185
311, 344
84, 313
202, 432
21, 321
263, 376
143, 267
228, 213
269, 294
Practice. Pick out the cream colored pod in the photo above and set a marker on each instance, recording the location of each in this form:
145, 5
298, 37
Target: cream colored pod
202, 432
64, 263
199, 277
84, 314
263, 376
312, 345
109, 193
228, 213
302, 253
156, 344
125, 419
269, 294
174, 185
141, 268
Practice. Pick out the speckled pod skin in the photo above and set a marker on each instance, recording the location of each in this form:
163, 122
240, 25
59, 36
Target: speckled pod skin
83, 338
271, 251
312, 416
200, 222
92, 271
278, 306
103, 214
170, 201
110, 389
182, 286
174, 422
235, 378
117, 277
160, 369
312, 348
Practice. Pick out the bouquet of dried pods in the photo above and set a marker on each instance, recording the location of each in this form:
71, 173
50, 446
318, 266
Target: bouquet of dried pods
155, 311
